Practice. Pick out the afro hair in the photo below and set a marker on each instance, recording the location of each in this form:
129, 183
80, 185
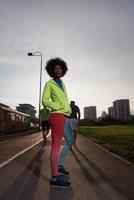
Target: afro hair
52, 63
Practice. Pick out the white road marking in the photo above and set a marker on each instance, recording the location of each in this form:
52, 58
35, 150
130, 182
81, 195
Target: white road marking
18, 154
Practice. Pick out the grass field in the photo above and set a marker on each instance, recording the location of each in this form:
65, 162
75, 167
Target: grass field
118, 139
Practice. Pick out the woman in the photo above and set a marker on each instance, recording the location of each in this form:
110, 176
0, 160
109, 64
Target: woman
55, 98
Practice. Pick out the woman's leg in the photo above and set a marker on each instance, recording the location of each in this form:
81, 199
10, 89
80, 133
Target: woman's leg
69, 137
57, 122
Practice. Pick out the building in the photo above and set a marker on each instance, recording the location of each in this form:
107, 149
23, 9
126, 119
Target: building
111, 112
104, 114
28, 109
121, 109
1, 104
90, 113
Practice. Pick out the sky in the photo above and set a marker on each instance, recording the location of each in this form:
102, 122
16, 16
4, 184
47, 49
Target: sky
95, 38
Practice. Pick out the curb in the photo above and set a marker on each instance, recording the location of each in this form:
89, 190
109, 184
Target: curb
9, 140
112, 154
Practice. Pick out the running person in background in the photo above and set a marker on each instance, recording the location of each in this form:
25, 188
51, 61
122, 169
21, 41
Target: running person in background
74, 119
55, 98
44, 113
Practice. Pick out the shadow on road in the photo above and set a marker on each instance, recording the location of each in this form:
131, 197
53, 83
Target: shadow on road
60, 193
95, 180
25, 185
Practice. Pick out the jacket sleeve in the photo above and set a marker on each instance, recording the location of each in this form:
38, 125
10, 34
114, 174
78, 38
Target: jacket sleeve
47, 101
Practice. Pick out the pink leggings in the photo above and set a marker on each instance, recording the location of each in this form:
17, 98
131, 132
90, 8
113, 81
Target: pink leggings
57, 122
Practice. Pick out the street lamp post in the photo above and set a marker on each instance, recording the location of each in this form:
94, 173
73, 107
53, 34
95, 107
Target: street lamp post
38, 53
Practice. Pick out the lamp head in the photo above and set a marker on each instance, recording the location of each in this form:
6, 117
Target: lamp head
30, 54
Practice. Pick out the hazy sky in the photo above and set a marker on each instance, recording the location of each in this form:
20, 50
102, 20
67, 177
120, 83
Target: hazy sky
95, 38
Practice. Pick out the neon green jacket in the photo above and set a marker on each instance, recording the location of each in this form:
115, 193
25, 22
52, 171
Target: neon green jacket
55, 98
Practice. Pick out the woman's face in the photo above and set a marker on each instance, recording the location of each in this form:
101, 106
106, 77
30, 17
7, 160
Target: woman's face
57, 72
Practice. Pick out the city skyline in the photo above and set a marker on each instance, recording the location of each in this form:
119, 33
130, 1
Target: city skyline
119, 110
94, 38
92, 109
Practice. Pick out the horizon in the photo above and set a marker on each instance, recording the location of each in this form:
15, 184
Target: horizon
82, 112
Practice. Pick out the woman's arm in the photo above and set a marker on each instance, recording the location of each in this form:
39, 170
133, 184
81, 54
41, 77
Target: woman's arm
47, 101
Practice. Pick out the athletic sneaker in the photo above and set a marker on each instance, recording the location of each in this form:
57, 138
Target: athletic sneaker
60, 182
62, 171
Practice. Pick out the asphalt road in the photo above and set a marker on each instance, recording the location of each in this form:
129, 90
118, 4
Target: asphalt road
95, 175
